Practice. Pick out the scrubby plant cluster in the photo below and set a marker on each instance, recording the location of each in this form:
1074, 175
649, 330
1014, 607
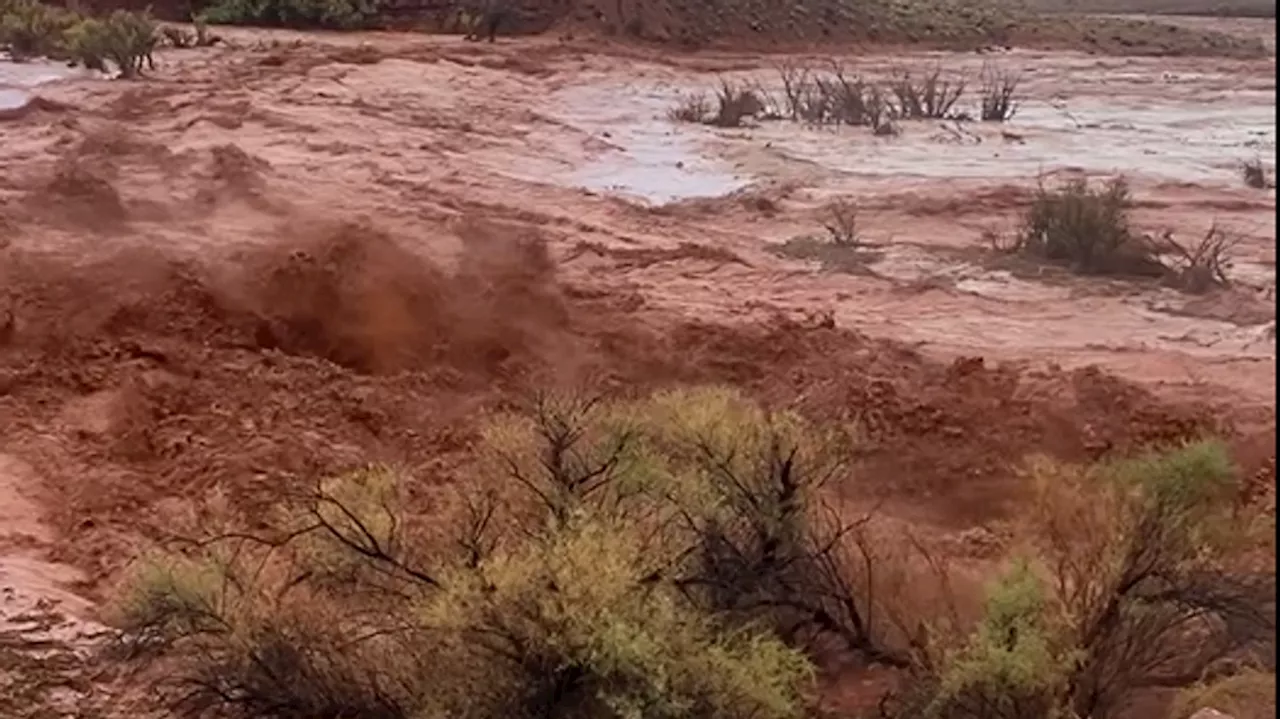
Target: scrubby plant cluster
1255, 175
1089, 229
121, 39
320, 14
673, 556
835, 96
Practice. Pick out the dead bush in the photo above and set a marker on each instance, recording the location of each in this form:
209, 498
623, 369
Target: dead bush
691, 108
795, 82
1087, 228
1202, 266
998, 90
735, 103
927, 96
1255, 175
833, 98
842, 224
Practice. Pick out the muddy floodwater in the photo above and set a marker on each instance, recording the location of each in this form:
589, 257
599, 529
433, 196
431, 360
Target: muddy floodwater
1096, 116
292, 254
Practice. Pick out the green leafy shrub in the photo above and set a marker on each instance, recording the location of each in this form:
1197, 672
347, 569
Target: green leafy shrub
1013, 666
326, 14
1088, 228
562, 598
29, 28
1137, 581
123, 38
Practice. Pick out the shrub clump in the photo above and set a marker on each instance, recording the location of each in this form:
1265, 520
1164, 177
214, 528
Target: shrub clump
29, 29
999, 91
635, 567
122, 38
1135, 579
300, 14
672, 557
1088, 228
126, 39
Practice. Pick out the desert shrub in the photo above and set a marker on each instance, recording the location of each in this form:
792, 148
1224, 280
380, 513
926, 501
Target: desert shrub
691, 108
1202, 266
842, 225
1255, 174
604, 642
29, 28
1145, 554
181, 38
927, 96
795, 81
626, 571
326, 14
833, 98
734, 103
124, 38
1087, 227
1135, 579
998, 90
1013, 666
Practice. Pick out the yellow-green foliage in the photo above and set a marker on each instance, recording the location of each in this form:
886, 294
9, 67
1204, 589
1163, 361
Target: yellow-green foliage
1014, 664
359, 508
29, 28
172, 596
125, 38
646, 557
578, 610
1129, 556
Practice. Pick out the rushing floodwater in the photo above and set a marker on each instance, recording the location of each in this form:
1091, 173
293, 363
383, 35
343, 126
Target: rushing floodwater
1079, 114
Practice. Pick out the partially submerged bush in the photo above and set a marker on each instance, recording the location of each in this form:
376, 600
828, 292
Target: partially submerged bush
1255, 175
734, 103
323, 14
691, 108
926, 96
842, 226
179, 37
1088, 228
834, 98
1202, 266
998, 90
124, 38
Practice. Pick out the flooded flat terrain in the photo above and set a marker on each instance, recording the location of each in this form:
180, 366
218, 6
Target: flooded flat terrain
292, 254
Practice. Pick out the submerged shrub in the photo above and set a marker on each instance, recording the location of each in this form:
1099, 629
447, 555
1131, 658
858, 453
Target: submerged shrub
1088, 228
998, 90
123, 38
